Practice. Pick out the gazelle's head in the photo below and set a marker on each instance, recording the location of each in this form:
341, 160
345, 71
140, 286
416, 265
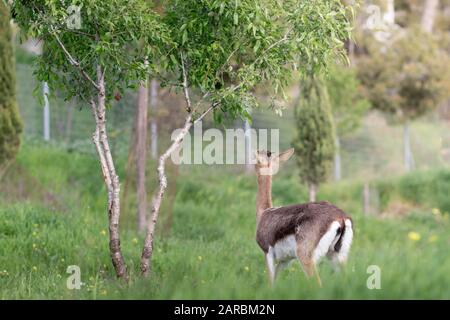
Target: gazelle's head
267, 163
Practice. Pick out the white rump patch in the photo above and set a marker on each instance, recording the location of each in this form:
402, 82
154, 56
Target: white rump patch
326, 241
285, 249
346, 242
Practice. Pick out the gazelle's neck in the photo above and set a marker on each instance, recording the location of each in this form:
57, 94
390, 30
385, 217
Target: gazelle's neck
264, 195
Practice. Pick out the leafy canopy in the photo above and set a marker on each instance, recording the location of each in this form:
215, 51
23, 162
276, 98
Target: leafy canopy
225, 48
117, 35
231, 46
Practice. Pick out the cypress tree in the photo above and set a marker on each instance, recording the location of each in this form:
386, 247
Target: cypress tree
10, 123
314, 142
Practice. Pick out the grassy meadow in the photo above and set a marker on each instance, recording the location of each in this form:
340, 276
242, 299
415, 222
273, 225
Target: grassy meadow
52, 215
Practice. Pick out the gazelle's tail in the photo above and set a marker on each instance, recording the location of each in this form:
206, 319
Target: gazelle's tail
342, 246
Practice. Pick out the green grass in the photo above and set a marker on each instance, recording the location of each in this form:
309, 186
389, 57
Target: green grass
211, 251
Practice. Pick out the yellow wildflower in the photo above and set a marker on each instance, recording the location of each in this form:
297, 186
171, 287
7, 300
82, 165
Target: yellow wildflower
414, 236
436, 211
103, 232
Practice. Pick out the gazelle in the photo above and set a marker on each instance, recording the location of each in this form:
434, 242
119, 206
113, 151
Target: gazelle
306, 232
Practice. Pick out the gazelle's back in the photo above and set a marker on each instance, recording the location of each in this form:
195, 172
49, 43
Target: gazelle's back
276, 224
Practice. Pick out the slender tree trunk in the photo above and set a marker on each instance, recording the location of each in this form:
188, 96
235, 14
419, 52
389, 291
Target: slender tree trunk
100, 139
337, 160
154, 122
407, 153
429, 15
312, 192
366, 198
141, 156
148, 243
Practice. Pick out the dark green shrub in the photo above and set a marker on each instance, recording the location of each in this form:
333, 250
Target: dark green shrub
10, 124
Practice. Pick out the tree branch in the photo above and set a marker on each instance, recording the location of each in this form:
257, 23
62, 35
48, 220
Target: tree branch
273, 45
212, 107
74, 62
186, 84
147, 251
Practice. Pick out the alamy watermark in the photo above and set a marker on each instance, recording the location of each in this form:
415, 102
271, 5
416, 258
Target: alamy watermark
374, 280
231, 146
74, 280
73, 21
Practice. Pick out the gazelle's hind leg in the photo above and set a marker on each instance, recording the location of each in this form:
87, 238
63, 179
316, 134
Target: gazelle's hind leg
304, 254
308, 252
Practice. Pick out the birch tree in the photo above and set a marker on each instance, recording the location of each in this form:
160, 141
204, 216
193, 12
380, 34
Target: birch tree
224, 49
93, 61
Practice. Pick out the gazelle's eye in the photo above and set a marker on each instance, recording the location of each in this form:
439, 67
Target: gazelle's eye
269, 154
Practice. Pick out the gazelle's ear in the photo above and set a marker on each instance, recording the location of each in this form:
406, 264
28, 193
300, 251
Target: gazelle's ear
284, 156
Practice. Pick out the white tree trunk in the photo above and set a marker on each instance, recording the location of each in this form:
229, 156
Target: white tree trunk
429, 15
366, 199
111, 179
407, 152
148, 243
154, 122
337, 160
389, 16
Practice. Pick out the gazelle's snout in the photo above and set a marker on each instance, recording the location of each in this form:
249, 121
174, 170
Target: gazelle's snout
263, 157
263, 162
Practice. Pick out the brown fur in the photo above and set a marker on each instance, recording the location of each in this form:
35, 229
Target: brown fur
307, 221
